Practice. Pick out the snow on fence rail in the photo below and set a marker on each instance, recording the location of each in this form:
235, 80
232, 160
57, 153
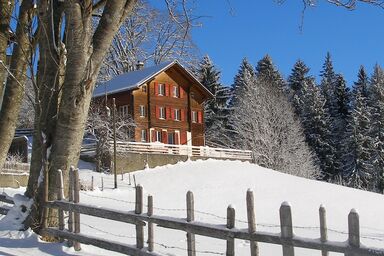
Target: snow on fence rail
15, 167
227, 231
4, 209
196, 151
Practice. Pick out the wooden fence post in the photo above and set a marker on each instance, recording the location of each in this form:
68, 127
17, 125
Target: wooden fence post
286, 228
102, 184
70, 199
230, 224
252, 221
323, 228
353, 232
76, 200
139, 210
92, 184
150, 224
60, 196
191, 246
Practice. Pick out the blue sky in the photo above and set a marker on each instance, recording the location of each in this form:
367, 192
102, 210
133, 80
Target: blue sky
244, 28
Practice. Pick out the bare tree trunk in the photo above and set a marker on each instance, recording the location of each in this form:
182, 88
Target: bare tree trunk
46, 101
14, 91
6, 8
85, 53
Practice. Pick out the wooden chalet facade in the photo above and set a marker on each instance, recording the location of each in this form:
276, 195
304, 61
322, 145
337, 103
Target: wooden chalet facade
165, 101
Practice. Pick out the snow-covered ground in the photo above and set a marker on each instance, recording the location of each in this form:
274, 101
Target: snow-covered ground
215, 185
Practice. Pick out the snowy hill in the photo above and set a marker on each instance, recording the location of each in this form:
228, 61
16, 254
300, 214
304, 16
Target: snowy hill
215, 185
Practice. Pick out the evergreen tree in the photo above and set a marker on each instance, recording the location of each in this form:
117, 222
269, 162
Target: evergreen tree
266, 71
297, 87
327, 86
377, 108
241, 82
215, 109
361, 174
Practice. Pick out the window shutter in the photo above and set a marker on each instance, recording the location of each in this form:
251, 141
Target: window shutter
176, 138
172, 113
164, 137
157, 112
182, 114
168, 113
182, 92
167, 89
200, 117
153, 135
156, 89
183, 138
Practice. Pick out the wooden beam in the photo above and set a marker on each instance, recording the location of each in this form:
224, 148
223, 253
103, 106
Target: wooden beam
6, 199
98, 242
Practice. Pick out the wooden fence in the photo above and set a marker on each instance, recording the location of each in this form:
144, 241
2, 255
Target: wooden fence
193, 151
4, 209
228, 231
15, 167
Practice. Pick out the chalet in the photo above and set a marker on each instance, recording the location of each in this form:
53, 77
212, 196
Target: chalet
165, 101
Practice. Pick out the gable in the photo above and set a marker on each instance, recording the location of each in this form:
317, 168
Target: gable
135, 79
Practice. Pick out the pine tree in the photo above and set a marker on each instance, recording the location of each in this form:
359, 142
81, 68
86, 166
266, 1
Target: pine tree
377, 105
327, 86
297, 87
241, 82
361, 174
266, 71
215, 109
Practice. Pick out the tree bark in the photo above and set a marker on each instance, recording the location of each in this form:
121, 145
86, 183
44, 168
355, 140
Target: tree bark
14, 90
6, 8
85, 53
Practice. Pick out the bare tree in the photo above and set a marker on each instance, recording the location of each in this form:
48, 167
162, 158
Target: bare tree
263, 121
149, 35
100, 126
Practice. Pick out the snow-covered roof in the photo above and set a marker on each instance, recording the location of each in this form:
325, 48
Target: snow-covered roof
134, 79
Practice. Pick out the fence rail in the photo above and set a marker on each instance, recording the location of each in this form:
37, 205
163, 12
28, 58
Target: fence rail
4, 209
194, 151
226, 231
15, 167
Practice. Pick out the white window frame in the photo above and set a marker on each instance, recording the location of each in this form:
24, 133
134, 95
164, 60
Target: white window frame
142, 110
158, 136
175, 91
123, 110
162, 113
161, 89
194, 117
143, 135
177, 114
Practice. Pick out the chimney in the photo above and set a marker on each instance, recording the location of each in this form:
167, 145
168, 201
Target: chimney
139, 65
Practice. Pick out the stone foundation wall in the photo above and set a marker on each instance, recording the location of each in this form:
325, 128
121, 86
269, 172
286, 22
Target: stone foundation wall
13, 180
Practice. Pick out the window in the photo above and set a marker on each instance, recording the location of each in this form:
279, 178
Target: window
175, 91
176, 114
142, 110
161, 89
194, 117
143, 135
158, 136
123, 110
171, 138
144, 88
161, 112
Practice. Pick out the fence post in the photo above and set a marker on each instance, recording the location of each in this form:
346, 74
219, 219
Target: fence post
190, 217
60, 196
323, 228
76, 200
92, 184
286, 228
139, 210
353, 232
70, 199
102, 184
150, 224
252, 221
230, 224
